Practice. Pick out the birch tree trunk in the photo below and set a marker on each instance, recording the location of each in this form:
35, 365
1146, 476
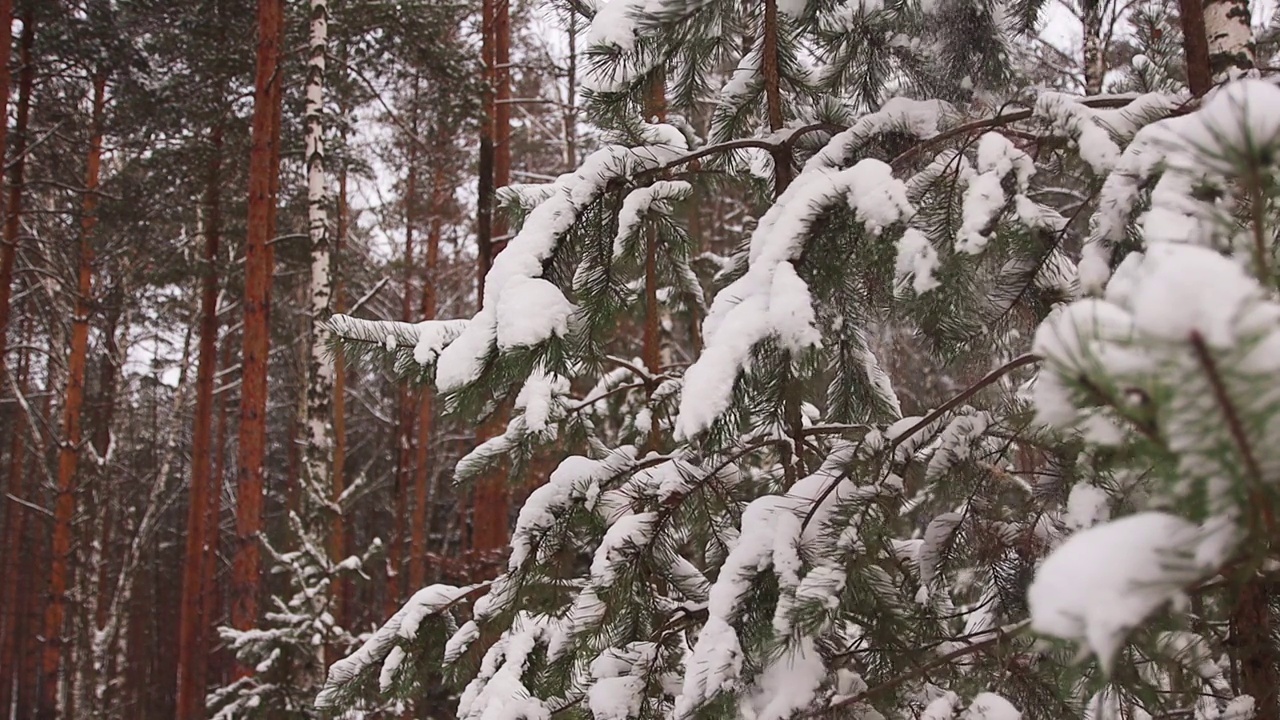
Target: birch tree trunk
1230, 39
258, 262
69, 448
317, 459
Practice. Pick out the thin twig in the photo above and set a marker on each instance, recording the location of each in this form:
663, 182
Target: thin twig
1234, 424
999, 636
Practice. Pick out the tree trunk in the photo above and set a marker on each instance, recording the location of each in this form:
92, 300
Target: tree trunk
194, 626
8, 251
422, 466
1230, 38
782, 172
338, 529
485, 182
317, 452
490, 514
258, 262
571, 96
1195, 46
1095, 60
214, 596
651, 350
1251, 633
20, 485
106, 490
396, 553
69, 449
40, 559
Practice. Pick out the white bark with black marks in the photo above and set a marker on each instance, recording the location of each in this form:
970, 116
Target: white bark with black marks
317, 448
1231, 48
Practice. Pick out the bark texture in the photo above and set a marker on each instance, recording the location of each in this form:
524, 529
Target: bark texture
194, 626
264, 161
73, 404
1195, 45
1230, 39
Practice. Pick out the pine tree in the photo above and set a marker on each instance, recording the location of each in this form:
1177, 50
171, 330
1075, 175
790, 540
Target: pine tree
1096, 276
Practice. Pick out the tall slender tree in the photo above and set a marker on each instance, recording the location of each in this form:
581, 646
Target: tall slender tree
73, 403
491, 510
200, 556
11, 603
264, 160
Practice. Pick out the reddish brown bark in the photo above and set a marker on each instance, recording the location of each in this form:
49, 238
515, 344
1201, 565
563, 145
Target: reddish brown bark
484, 182
422, 461
193, 627
651, 350
264, 160
338, 528
773, 95
73, 404
10, 610
8, 250
490, 513
1251, 625
15, 523
1195, 45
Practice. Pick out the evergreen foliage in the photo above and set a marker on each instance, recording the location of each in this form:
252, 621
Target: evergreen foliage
299, 635
769, 531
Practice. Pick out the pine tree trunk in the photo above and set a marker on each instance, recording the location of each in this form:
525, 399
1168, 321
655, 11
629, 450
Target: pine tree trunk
773, 95
422, 466
194, 626
69, 448
571, 96
20, 485
317, 452
258, 262
485, 192
485, 189
338, 528
40, 542
405, 405
652, 346
1095, 62
1195, 46
490, 514
1251, 631
8, 251
1230, 38
8, 254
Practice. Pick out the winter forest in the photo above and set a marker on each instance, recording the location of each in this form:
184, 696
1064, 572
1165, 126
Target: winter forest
640, 359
